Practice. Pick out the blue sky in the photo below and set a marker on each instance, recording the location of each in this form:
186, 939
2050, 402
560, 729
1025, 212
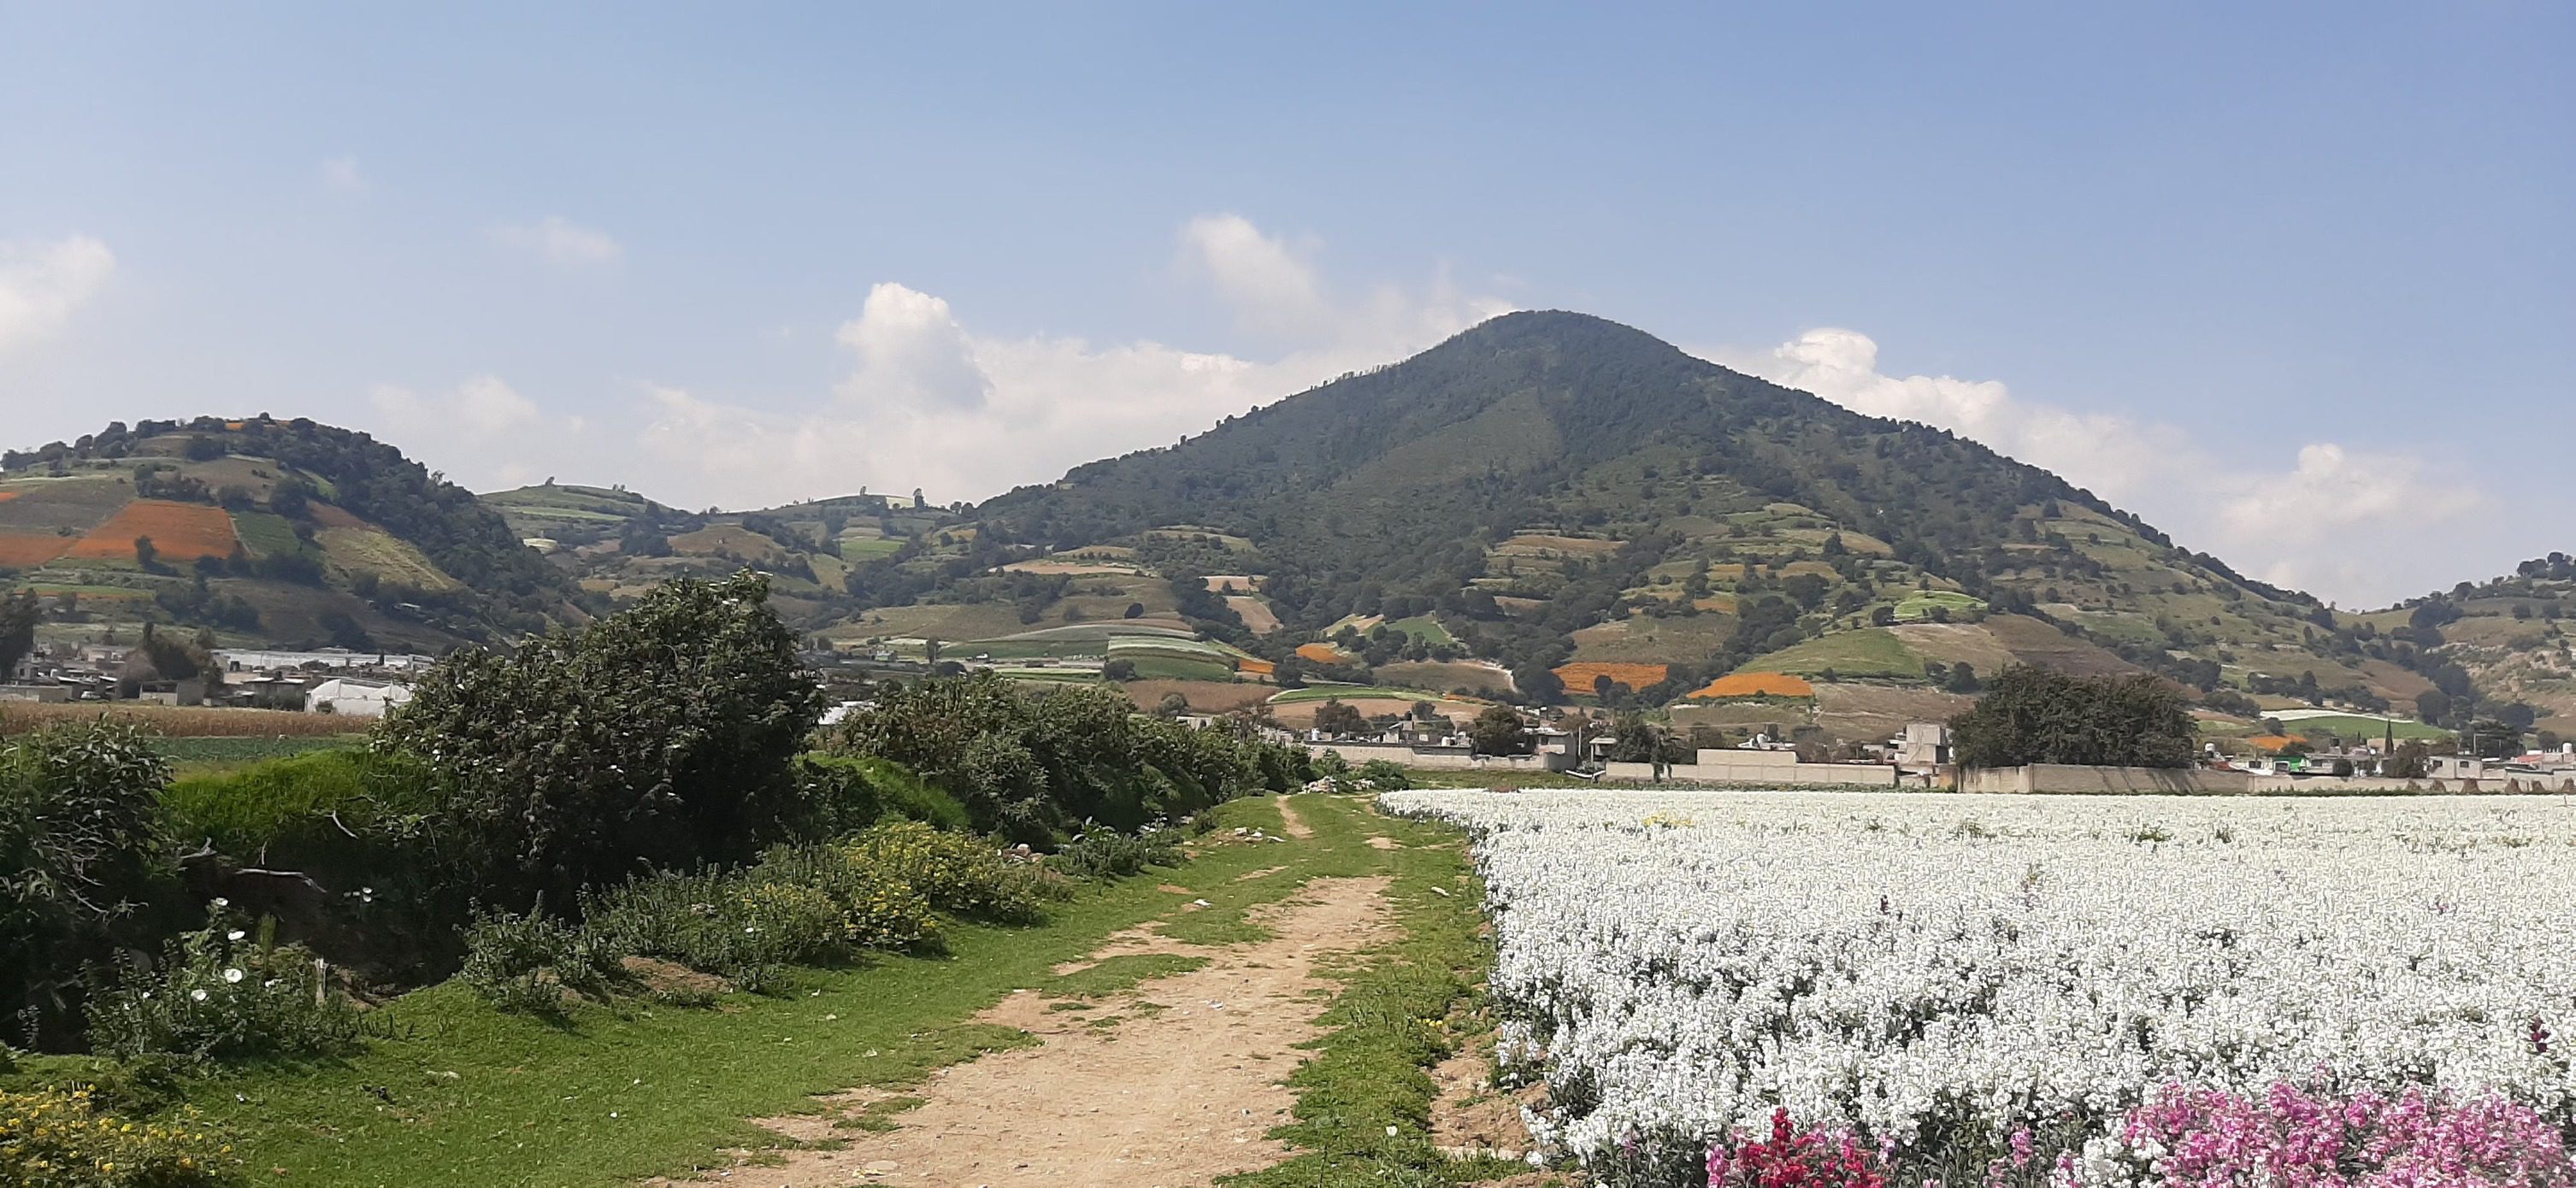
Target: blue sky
2292, 282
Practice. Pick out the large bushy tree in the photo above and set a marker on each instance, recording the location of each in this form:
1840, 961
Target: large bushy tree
2033, 715
657, 737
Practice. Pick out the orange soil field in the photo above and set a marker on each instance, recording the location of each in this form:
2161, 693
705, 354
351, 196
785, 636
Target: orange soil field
1579, 675
1320, 653
22, 550
180, 532
1749, 684
1256, 667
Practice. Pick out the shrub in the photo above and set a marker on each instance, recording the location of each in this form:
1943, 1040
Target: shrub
955, 872
728, 923
84, 870
873, 905
62, 1139
658, 737
1106, 854
1386, 775
224, 994
523, 963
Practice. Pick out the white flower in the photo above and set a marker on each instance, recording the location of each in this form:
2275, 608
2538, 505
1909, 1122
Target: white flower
1879, 960
235, 934
197, 995
233, 975
222, 902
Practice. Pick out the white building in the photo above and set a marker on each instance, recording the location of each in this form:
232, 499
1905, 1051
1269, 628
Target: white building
355, 697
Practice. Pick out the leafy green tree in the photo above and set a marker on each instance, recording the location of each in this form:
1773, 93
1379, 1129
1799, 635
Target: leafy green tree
1121, 670
1337, 720
2033, 715
659, 737
1499, 731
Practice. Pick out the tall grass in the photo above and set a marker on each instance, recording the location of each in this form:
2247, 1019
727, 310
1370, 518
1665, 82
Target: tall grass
179, 721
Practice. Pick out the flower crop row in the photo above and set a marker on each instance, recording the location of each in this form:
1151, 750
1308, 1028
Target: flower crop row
2009, 989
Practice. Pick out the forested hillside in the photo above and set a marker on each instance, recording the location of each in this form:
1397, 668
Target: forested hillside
267, 531
1555, 488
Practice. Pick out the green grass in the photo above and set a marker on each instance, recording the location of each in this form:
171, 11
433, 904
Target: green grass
451, 1092
204, 756
1871, 652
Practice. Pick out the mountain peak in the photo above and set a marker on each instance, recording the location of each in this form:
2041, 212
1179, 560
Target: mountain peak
1558, 329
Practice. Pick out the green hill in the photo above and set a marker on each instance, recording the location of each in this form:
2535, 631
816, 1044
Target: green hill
1552, 487
266, 531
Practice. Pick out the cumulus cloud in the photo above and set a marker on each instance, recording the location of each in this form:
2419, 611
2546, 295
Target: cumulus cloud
911, 353
483, 433
43, 282
341, 174
558, 240
2340, 522
928, 402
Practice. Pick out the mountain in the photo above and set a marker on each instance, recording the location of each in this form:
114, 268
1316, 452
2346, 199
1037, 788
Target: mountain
617, 544
1559, 490
268, 532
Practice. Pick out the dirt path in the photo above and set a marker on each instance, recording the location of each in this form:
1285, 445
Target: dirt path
1292, 824
1180, 1089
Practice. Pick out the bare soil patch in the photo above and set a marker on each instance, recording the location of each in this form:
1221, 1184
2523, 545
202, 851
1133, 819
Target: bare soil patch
1178, 1098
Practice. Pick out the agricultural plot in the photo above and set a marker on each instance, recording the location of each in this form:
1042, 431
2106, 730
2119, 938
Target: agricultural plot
2015, 991
180, 532
1922, 603
389, 557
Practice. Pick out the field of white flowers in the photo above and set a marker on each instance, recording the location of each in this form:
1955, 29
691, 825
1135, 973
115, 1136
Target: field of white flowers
1996, 989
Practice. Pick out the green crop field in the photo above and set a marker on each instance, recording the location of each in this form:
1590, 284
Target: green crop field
1920, 604
1426, 629
2361, 727
863, 548
1874, 652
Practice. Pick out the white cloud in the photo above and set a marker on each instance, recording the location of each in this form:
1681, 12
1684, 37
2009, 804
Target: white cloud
2360, 527
482, 433
559, 240
1273, 290
342, 175
42, 283
911, 352
930, 403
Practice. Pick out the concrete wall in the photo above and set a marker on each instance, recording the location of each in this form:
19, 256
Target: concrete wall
2059, 777
47, 693
1450, 758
